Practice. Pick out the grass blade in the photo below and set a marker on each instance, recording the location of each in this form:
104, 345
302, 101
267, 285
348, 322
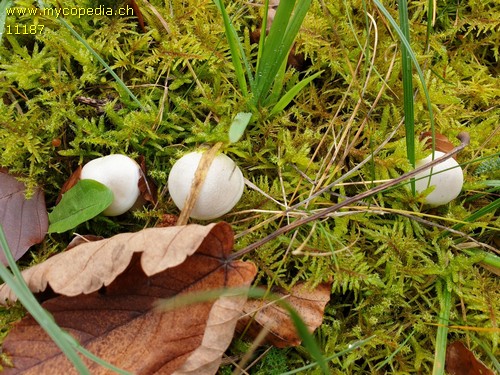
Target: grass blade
262, 37
393, 354
67, 343
307, 338
442, 331
288, 97
488, 259
3, 15
411, 55
122, 84
16, 282
351, 347
407, 70
277, 45
235, 48
491, 207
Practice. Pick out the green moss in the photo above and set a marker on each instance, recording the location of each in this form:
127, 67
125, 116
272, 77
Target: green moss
383, 266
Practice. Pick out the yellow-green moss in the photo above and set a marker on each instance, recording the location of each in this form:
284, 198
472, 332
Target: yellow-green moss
383, 267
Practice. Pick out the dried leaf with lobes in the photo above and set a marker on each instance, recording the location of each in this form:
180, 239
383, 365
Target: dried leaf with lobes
309, 304
120, 323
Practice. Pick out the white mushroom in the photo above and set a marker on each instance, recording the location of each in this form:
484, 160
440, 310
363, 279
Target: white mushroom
121, 175
447, 179
221, 190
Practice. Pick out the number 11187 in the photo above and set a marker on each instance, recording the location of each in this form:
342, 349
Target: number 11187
23, 29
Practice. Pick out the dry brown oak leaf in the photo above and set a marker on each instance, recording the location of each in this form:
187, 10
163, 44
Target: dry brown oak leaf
121, 322
24, 221
461, 361
261, 314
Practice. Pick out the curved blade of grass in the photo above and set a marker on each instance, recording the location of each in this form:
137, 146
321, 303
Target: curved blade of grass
19, 287
491, 355
491, 207
351, 347
290, 94
489, 259
3, 15
103, 63
393, 354
307, 338
67, 343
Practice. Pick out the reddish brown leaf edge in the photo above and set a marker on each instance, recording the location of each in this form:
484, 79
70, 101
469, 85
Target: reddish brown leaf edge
461, 361
24, 221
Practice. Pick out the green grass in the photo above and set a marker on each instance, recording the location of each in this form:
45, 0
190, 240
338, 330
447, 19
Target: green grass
266, 82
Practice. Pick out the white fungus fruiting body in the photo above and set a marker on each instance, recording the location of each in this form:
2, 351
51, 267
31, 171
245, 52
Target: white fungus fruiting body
121, 175
221, 190
447, 184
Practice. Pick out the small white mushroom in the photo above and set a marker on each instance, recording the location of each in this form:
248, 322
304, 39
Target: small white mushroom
121, 175
447, 179
221, 190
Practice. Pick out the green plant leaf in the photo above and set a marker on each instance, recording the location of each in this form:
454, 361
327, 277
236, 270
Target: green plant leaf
288, 97
4, 4
277, 45
409, 54
443, 319
237, 54
407, 70
239, 125
85, 200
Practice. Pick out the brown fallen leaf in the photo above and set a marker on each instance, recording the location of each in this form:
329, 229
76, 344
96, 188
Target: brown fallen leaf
24, 221
310, 305
442, 143
121, 322
89, 266
461, 361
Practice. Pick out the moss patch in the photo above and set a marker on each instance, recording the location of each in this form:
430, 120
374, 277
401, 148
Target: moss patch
384, 266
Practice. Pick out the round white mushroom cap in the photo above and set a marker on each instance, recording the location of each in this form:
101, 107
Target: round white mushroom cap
121, 175
447, 184
221, 190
